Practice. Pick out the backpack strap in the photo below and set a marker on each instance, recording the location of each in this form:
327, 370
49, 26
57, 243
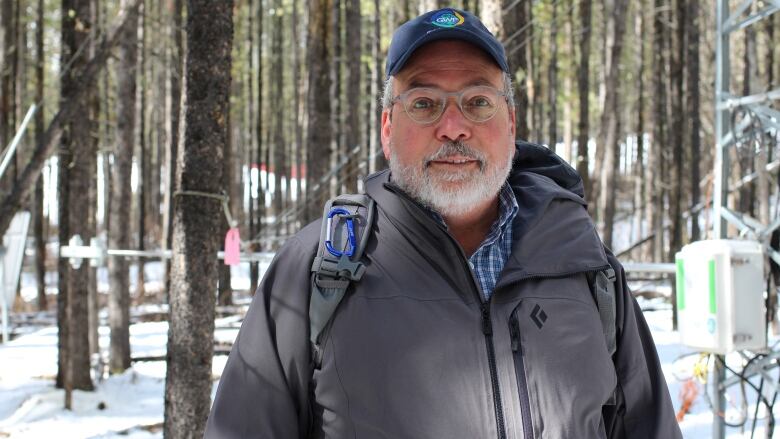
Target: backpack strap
337, 263
602, 287
604, 293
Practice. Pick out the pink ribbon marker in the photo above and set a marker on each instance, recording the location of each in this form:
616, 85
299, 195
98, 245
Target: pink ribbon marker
232, 247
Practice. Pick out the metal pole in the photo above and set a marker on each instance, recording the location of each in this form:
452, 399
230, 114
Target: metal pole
719, 409
722, 77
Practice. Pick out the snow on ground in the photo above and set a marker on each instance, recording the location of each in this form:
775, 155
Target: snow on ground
131, 404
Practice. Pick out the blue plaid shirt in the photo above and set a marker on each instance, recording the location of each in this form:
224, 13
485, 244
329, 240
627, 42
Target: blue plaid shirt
491, 256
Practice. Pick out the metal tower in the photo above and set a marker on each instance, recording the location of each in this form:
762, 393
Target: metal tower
755, 111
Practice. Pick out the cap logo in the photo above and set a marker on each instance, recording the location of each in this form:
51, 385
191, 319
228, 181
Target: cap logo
447, 18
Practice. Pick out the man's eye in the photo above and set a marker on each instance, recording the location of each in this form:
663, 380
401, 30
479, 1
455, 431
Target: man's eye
480, 101
422, 104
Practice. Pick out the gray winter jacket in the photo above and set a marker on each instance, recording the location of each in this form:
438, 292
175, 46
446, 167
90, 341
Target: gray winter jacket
413, 352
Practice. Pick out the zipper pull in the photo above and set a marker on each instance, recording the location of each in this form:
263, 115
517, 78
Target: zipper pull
514, 332
487, 328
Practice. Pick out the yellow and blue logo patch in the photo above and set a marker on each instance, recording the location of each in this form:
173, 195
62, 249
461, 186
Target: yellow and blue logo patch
447, 18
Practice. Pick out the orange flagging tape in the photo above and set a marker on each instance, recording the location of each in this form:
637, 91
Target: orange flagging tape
688, 394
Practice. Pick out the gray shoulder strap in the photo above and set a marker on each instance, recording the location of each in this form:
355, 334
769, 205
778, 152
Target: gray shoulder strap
604, 292
337, 263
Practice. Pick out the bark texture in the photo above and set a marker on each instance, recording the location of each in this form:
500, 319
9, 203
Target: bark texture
319, 132
516, 39
173, 104
197, 219
583, 91
694, 109
352, 108
38, 218
677, 133
119, 227
659, 122
610, 121
77, 156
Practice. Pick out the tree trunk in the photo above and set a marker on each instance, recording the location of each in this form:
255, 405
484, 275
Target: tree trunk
583, 91
568, 103
79, 161
251, 140
770, 56
297, 126
94, 146
38, 218
257, 154
142, 157
173, 108
225, 289
492, 17
534, 79
197, 218
552, 82
160, 134
611, 121
352, 125
660, 118
19, 77
279, 153
377, 83
517, 38
337, 100
677, 135
639, 164
119, 227
694, 110
318, 135
7, 48
63, 325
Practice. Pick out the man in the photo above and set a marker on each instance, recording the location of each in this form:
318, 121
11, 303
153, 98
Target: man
475, 317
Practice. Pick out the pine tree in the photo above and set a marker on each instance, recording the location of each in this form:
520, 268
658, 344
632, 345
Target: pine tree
197, 216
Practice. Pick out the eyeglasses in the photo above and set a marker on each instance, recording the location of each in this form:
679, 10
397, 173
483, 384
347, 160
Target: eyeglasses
425, 105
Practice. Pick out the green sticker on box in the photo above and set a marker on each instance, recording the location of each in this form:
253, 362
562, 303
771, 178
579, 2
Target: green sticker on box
713, 305
680, 284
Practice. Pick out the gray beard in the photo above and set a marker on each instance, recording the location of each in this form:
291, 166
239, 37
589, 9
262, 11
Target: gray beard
472, 188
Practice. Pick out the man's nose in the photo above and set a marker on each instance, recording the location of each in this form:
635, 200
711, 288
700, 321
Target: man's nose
452, 124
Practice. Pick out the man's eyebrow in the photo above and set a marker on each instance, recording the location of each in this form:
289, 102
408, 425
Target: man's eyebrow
418, 83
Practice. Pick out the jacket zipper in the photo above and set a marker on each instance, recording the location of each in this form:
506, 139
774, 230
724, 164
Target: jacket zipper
487, 329
522, 384
517, 347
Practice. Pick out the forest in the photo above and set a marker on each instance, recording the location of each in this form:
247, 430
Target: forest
160, 125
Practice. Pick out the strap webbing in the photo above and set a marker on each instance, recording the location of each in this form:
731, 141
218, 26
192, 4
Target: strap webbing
331, 275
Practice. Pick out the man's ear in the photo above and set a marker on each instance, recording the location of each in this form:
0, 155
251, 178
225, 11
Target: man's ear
387, 124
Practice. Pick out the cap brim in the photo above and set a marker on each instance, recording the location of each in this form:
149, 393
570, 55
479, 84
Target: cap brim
448, 34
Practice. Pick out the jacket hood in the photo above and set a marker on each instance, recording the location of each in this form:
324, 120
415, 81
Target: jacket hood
542, 161
552, 232
554, 235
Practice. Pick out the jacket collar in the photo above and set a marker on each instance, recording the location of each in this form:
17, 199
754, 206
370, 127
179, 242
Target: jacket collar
553, 233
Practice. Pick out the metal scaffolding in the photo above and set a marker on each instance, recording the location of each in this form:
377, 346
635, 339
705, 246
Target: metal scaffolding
755, 110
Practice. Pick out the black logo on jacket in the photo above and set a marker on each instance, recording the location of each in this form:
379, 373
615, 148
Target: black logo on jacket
538, 316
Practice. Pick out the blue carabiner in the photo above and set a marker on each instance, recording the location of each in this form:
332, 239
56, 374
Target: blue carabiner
350, 233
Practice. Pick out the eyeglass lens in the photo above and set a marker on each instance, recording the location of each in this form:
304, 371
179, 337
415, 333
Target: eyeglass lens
425, 105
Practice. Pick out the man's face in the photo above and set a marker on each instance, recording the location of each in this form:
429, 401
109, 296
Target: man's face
452, 164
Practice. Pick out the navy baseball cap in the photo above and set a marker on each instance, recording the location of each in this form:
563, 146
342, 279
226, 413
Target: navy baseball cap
442, 24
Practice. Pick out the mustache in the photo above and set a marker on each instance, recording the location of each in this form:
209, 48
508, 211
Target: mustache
457, 148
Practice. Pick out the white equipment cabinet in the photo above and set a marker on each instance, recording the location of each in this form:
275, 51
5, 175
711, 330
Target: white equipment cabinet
720, 296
